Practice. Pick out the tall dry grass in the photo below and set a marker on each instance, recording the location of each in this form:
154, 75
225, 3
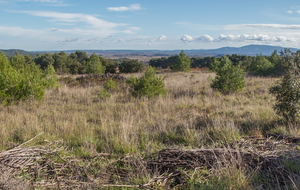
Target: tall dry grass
191, 115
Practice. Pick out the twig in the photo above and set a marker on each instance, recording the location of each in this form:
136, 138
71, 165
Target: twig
29, 140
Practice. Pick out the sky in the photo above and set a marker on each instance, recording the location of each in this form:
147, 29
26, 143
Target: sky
48, 25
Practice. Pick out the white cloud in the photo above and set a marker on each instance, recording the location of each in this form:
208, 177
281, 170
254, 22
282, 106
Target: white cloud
254, 37
85, 27
290, 12
97, 26
187, 38
18, 31
204, 38
262, 26
162, 37
134, 29
73, 18
133, 7
238, 38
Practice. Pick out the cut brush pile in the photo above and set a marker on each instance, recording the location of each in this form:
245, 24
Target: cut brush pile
170, 168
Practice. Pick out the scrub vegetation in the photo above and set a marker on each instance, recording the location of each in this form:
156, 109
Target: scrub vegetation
110, 132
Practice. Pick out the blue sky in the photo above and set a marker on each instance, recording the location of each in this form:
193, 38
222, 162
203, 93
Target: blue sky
37, 25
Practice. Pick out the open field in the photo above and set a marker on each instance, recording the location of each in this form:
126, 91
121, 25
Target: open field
101, 135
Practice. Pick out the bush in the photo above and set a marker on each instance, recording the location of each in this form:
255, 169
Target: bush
131, 66
103, 94
261, 66
148, 85
230, 78
287, 91
110, 84
23, 81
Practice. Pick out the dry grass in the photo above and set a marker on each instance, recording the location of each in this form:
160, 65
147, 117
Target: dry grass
192, 115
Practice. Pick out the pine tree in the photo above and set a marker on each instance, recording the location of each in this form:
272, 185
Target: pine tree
94, 65
229, 78
148, 85
181, 63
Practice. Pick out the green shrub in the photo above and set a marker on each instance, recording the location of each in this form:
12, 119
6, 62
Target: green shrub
287, 91
229, 78
110, 85
131, 66
148, 85
103, 94
261, 66
21, 81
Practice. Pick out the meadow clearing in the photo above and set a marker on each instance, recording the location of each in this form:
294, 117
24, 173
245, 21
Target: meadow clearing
110, 137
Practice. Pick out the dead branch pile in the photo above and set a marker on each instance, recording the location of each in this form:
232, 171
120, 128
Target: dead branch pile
44, 168
285, 138
169, 160
12, 161
272, 166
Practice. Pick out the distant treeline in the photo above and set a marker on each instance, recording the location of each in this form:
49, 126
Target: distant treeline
259, 65
81, 63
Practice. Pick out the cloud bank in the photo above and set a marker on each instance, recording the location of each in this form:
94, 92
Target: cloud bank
237, 38
204, 38
94, 25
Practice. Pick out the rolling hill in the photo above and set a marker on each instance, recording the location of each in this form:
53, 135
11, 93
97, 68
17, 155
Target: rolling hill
250, 50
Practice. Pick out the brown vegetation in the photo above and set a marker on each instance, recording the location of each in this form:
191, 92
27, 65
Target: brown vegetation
114, 141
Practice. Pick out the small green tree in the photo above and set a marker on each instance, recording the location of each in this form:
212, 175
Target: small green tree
287, 91
94, 65
229, 78
148, 85
181, 63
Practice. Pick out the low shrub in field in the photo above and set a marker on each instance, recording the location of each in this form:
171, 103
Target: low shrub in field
103, 94
230, 78
110, 84
148, 85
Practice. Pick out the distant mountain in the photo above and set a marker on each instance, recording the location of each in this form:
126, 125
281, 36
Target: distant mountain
12, 52
250, 50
